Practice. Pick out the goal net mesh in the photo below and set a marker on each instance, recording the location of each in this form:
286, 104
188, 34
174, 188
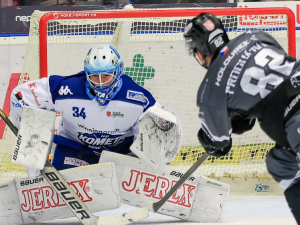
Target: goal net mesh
154, 54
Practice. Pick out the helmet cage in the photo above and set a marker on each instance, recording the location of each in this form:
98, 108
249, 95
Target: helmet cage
104, 91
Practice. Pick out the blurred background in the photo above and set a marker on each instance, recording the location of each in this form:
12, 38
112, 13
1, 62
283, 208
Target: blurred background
111, 2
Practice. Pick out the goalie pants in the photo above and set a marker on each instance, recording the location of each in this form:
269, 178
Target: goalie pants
69, 154
283, 163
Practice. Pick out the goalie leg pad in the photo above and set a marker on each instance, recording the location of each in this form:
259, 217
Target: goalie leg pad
96, 185
10, 212
199, 199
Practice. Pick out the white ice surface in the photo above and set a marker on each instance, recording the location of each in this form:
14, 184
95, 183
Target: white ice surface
238, 211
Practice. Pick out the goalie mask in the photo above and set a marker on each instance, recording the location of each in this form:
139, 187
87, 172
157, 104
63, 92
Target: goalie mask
103, 68
205, 33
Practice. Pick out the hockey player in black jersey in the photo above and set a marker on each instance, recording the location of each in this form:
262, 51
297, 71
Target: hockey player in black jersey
248, 78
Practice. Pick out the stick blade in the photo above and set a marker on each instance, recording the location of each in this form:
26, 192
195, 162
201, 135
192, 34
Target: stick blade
126, 218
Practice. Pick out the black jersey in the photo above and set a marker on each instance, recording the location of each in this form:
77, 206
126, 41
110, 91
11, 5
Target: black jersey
240, 81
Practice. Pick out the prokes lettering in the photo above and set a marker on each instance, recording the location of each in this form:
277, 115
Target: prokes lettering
156, 187
19, 140
44, 197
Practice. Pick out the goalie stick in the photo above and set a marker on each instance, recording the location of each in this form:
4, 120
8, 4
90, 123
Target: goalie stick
156, 206
85, 216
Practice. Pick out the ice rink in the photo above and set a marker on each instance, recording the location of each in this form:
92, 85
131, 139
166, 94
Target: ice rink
239, 210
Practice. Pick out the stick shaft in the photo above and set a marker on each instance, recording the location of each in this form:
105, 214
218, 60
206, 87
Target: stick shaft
158, 204
8, 122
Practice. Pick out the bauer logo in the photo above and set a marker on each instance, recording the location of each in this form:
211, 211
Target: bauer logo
43, 197
178, 174
138, 96
262, 188
18, 143
156, 186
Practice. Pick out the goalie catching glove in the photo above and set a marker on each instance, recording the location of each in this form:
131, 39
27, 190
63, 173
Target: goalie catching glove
211, 150
160, 135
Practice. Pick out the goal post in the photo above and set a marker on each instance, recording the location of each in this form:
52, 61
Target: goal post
151, 44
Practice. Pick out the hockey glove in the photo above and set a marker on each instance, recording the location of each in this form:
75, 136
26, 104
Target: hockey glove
240, 125
211, 150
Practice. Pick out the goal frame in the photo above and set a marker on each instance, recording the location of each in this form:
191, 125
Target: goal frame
160, 13
255, 182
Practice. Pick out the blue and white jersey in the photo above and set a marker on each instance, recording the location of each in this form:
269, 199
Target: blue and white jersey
83, 120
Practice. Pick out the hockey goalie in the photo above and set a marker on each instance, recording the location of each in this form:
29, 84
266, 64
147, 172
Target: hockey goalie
103, 112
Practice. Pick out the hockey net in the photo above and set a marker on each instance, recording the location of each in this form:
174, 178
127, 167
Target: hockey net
152, 47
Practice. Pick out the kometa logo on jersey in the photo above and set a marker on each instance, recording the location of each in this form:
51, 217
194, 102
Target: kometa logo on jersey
97, 140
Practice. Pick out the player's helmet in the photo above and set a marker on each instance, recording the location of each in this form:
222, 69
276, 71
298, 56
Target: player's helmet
104, 59
206, 33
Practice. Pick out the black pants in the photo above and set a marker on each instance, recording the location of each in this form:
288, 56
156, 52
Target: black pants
282, 163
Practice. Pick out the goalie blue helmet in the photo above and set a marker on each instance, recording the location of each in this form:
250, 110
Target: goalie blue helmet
103, 67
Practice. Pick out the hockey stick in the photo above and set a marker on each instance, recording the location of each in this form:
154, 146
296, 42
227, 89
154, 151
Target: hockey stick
85, 216
156, 206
